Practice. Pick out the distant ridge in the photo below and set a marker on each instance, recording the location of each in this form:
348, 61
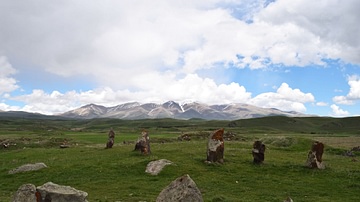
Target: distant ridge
171, 109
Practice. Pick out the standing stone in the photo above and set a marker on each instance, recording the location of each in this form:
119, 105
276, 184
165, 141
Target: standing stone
182, 189
58, 193
143, 143
258, 152
111, 139
25, 193
28, 167
314, 159
215, 147
154, 167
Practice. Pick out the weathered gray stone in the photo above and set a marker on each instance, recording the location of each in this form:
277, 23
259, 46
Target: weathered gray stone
182, 189
59, 193
25, 193
154, 167
28, 167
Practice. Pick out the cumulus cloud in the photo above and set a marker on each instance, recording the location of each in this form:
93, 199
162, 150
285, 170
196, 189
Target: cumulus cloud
153, 50
336, 111
354, 92
331, 25
120, 39
190, 87
7, 82
285, 98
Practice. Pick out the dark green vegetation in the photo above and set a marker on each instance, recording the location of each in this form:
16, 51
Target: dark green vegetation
117, 174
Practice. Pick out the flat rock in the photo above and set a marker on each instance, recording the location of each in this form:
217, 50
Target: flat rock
59, 193
28, 167
154, 167
182, 189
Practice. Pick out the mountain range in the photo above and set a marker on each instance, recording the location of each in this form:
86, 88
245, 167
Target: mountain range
171, 109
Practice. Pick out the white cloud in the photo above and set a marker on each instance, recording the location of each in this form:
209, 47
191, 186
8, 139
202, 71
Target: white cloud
333, 25
337, 111
151, 50
7, 83
5, 107
354, 92
285, 98
322, 104
294, 94
192, 86
116, 40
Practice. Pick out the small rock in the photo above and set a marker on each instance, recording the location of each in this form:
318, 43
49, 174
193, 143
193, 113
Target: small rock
28, 167
154, 167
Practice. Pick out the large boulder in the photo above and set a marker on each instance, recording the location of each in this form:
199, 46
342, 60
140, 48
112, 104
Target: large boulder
25, 193
258, 152
28, 167
182, 189
154, 167
59, 193
314, 159
215, 147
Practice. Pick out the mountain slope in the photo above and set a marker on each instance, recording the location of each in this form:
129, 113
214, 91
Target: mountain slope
175, 110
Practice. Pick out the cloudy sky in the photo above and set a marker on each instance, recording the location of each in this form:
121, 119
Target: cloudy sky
299, 55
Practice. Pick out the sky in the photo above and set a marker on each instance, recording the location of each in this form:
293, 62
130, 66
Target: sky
298, 55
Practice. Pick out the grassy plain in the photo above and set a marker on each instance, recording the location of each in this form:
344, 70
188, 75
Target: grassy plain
118, 174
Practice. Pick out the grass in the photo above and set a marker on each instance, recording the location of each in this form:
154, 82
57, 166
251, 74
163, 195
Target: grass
118, 174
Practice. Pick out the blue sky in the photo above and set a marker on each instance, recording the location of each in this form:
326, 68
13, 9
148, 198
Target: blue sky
297, 55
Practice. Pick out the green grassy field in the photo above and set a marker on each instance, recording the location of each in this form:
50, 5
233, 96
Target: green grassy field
118, 174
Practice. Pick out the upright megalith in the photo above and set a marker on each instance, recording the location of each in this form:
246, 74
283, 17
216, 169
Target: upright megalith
314, 159
258, 152
182, 189
215, 146
143, 143
111, 139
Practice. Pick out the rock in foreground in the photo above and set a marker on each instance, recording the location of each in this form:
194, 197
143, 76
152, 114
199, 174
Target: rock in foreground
58, 193
25, 193
182, 189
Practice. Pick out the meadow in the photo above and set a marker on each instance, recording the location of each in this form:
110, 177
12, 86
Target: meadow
118, 174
